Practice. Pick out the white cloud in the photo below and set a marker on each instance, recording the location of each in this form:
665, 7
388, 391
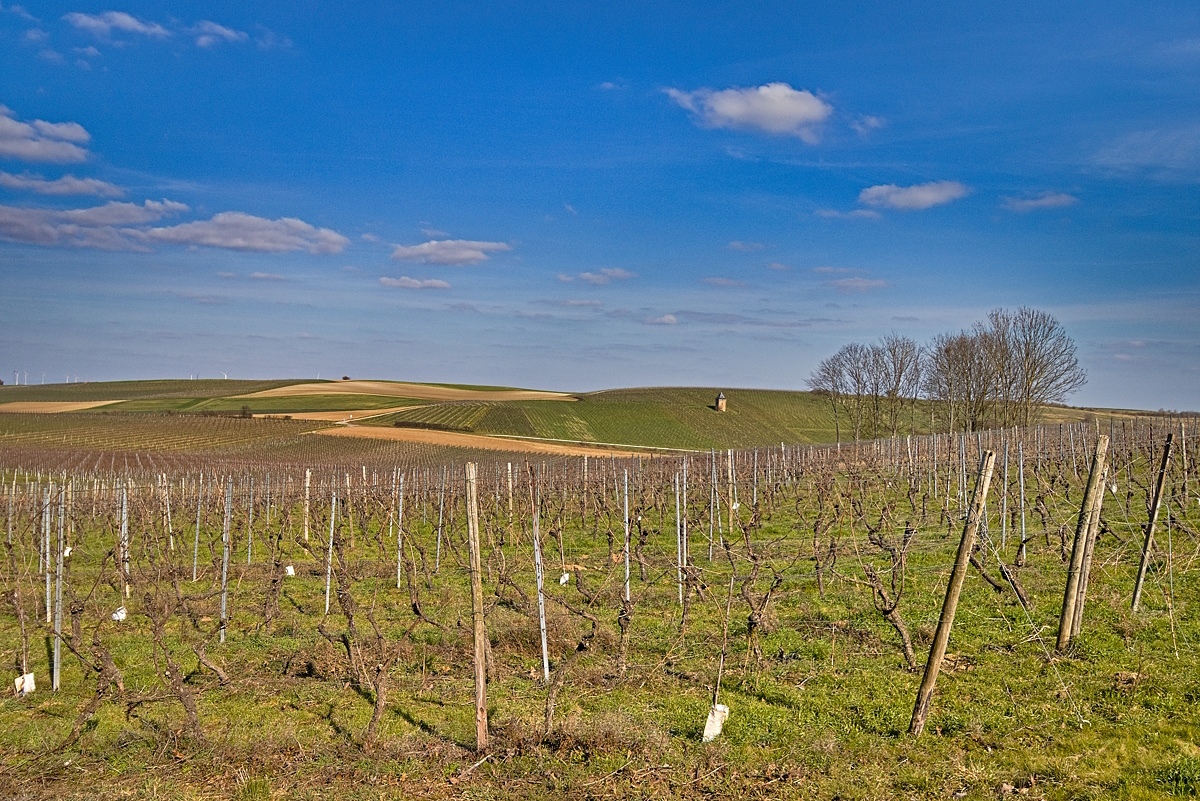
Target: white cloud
210, 33
40, 140
854, 214
267, 277
775, 108
1169, 150
865, 124
404, 282
913, 198
745, 247
856, 284
1045, 200
237, 230
51, 55
93, 227
666, 319
718, 281
114, 213
20, 12
448, 251
600, 278
50, 227
104, 24
35, 35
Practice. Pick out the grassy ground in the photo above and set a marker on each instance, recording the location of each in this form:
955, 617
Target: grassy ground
130, 390
822, 712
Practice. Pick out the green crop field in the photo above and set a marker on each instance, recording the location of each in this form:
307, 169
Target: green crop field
131, 390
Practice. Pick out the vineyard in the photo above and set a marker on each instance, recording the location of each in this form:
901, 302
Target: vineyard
277, 621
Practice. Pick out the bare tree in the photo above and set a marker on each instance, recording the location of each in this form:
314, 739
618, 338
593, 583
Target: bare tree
1047, 366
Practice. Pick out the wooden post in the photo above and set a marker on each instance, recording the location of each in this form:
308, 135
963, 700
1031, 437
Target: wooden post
1070, 595
199, 506
1085, 570
225, 557
541, 583
333, 504
56, 670
626, 535
942, 636
307, 485
481, 714
398, 502
1149, 543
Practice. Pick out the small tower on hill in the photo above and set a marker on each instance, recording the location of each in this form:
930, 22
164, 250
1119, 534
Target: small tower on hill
721, 402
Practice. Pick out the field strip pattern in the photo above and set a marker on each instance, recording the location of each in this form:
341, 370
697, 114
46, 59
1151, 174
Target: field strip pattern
404, 390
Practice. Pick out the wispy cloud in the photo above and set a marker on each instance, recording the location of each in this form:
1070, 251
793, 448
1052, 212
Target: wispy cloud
404, 282
865, 124
58, 142
209, 33
1044, 200
853, 214
745, 247
777, 266
1165, 149
857, 284
719, 281
666, 319
104, 24
601, 278
913, 198
832, 270
267, 277
449, 251
20, 11
235, 230
774, 108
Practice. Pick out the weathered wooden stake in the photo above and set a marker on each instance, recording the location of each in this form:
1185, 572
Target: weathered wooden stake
329, 553
942, 636
1070, 596
541, 585
225, 539
1148, 545
307, 485
481, 713
199, 506
1085, 570
58, 592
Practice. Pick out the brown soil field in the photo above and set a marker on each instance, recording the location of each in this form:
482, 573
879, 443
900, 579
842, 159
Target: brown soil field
429, 437
52, 407
337, 416
401, 390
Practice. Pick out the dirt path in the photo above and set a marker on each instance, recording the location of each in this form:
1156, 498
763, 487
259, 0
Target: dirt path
398, 389
428, 437
52, 407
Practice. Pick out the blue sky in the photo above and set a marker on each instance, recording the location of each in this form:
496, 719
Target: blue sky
594, 196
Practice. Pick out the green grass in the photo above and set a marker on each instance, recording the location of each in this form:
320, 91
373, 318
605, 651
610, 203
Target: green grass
824, 714
651, 417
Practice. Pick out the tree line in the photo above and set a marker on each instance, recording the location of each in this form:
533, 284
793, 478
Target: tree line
1002, 371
